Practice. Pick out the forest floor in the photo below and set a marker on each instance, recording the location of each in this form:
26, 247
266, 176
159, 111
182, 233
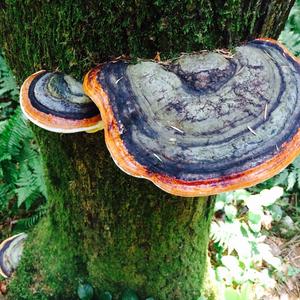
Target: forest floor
289, 250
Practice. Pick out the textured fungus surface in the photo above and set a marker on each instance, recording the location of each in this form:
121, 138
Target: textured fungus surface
56, 102
204, 123
10, 253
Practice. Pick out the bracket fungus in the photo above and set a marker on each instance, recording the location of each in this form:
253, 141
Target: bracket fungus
56, 102
204, 123
10, 253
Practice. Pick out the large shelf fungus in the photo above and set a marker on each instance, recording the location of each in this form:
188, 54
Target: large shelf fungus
56, 102
10, 253
204, 123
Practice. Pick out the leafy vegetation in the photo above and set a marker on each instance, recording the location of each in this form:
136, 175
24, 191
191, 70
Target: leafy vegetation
21, 176
241, 256
290, 36
8, 88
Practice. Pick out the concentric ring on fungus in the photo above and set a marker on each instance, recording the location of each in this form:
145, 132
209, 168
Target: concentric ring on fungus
204, 123
10, 253
56, 102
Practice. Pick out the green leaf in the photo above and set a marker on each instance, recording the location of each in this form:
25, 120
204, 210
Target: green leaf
129, 295
230, 211
8, 86
293, 271
3, 124
232, 264
276, 212
85, 291
219, 205
266, 254
291, 180
265, 198
223, 273
266, 280
255, 227
14, 134
231, 294
244, 231
254, 218
246, 291
270, 196
27, 223
227, 198
26, 186
5, 156
105, 296
298, 178
296, 163
221, 198
291, 34
241, 194
281, 178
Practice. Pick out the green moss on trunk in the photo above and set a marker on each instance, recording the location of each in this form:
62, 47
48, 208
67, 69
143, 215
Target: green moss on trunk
104, 226
111, 229
74, 35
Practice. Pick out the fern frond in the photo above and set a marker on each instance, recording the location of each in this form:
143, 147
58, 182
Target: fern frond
38, 173
6, 193
290, 36
230, 236
3, 124
21, 173
20, 162
14, 134
27, 189
8, 85
27, 223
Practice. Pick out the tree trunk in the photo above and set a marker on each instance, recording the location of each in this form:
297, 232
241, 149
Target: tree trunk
104, 226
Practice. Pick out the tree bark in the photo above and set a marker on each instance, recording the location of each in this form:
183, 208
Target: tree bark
104, 226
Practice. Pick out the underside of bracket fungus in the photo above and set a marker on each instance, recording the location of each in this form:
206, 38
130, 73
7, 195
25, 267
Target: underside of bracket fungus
204, 123
10, 253
56, 102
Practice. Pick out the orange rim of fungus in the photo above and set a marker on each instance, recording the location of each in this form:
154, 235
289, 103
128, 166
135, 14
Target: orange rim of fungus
288, 152
49, 121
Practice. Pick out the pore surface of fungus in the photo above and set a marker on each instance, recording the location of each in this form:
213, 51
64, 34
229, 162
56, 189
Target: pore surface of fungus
204, 123
10, 253
56, 102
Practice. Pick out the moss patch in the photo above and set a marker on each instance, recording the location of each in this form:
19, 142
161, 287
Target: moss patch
59, 279
110, 229
74, 35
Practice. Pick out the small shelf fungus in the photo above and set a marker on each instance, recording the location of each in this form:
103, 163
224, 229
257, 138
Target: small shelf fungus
10, 253
204, 123
56, 102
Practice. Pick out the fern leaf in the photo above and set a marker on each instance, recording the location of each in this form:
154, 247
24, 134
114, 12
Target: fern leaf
8, 86
14, 134
27, 223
